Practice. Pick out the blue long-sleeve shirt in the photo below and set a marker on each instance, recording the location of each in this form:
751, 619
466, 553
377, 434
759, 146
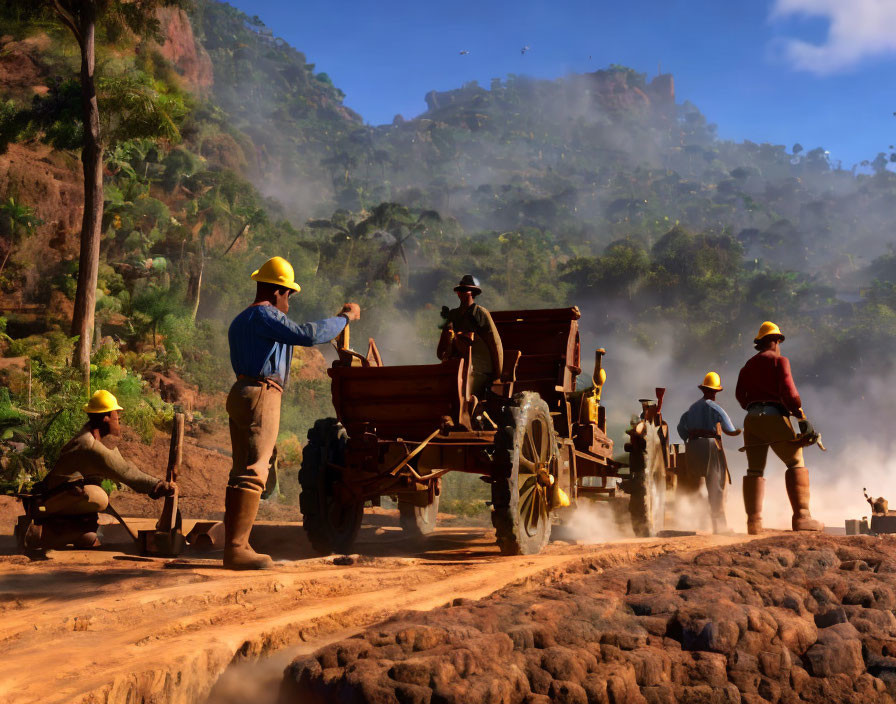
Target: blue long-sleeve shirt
262, 337
703, 415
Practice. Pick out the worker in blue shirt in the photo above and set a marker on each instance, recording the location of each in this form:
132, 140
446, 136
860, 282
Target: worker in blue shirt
261, 341
705, 457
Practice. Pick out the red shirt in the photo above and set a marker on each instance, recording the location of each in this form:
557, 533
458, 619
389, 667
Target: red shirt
766, 377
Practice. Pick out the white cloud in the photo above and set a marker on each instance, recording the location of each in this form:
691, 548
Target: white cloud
858, 29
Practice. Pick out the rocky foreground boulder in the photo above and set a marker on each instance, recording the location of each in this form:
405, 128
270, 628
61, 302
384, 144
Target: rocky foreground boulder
791, 618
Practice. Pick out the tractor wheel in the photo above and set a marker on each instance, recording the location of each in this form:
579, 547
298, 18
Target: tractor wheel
331, 522
418, 521
525, 460
647, 505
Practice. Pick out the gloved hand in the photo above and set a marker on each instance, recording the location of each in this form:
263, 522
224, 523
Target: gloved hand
807, 431
163, 488
806, 428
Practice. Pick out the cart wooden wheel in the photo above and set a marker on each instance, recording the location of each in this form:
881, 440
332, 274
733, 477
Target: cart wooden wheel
418, 521
525, 462
331, 518
647, 505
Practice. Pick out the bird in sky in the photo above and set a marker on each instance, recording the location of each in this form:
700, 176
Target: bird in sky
463, 52
524, 49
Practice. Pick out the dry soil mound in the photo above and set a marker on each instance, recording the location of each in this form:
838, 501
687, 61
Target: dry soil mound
786, 619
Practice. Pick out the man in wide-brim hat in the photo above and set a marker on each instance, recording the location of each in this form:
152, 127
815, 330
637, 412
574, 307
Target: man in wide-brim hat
470, 327
699, 428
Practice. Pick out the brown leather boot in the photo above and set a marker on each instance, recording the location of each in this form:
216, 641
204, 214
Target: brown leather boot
240, 507
796, 479
754, 492
61, 531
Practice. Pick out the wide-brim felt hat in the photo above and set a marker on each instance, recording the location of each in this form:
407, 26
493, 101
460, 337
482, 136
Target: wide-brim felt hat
469, 283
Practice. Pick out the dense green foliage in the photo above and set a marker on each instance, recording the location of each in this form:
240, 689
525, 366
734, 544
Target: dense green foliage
595, 190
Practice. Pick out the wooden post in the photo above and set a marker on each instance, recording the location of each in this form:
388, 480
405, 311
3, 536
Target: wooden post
168, 520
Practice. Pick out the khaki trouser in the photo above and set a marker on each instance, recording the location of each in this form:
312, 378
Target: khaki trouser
762, 432
705, 460
254, 410
78, 500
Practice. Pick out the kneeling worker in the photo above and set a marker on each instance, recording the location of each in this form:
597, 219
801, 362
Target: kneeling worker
261, 341
704, 452
766, 390
71, 492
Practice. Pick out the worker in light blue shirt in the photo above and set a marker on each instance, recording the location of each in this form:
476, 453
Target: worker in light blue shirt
262, 337
261, 341
704, 455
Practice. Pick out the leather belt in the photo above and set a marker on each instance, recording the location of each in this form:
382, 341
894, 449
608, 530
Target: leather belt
709, 434
266, 380
762, 408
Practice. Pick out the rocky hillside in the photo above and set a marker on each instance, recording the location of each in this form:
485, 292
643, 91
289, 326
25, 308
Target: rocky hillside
786, 619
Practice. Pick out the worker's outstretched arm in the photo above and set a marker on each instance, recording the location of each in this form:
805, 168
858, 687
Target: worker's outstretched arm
119, 470
280, 328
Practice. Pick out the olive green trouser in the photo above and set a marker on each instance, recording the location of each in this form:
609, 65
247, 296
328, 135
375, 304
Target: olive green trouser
254, 410
764, 431
78, 500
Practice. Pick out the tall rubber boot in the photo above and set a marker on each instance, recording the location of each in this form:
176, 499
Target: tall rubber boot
240, 507
796, 479
754, 492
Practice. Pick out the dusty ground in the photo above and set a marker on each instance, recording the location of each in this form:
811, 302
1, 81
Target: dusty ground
787, 618
104, 627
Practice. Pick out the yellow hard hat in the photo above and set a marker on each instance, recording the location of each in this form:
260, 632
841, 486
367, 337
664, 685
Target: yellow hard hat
102, 402
277, 271
766, 329
711, 381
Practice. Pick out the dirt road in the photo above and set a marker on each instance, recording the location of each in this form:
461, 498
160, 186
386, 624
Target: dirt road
103, 627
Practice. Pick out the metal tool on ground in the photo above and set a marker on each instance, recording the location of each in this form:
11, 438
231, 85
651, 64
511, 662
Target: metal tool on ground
168, 539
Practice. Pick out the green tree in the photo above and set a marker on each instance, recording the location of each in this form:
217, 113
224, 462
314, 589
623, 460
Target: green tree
81, 18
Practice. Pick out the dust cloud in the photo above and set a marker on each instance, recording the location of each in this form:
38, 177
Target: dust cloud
593, 522
852, 411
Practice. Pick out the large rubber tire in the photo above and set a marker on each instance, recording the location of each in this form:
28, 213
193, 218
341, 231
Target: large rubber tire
525, 456
647, 505
331, 525
418, 521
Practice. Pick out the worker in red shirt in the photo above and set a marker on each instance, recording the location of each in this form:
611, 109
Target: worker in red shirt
766, 390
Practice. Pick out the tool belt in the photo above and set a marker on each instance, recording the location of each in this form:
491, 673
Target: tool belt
767, 408
42, 492
700, 433
269, 381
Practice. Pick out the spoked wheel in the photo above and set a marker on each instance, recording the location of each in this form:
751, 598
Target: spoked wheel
331, 518
647, 505
525, 461
418, 521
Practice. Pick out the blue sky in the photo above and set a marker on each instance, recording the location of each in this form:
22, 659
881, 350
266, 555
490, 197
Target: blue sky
818, 72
